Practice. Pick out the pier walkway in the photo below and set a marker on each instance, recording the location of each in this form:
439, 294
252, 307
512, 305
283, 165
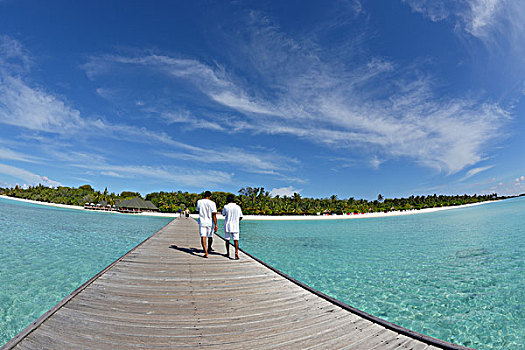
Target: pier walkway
164, 295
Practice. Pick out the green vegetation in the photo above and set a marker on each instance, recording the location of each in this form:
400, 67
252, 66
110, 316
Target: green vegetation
253, 200
64, 195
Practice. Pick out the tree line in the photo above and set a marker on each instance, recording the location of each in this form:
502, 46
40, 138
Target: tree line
253, 200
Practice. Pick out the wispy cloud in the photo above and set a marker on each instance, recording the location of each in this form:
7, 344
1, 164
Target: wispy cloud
176, 176
25, 106
266, 162
372, 109
435, 10
475, 171
34, 109
27, 176
189, 121
375, 162
483, 16
6, 153
13, 56
491, 21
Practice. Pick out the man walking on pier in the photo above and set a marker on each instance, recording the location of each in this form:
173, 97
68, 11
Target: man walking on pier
232, 215
207, 220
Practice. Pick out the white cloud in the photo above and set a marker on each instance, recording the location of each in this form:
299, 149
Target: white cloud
329, 107
266, 162
188, 121
34, 109
371, 109
491, 21
27, 176
435, 10
6, 153
375, 162
378, 65
169, 174
284, 191
211, 80
511, 187
111, 173
29, 107
178, 176
106, 93
483, 16
475, 171
13, 56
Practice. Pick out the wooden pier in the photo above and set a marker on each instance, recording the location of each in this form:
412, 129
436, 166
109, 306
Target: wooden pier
164, 295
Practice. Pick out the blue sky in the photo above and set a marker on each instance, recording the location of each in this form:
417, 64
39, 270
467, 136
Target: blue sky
352, 98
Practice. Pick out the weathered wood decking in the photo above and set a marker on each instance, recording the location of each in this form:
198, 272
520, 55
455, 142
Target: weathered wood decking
164, 294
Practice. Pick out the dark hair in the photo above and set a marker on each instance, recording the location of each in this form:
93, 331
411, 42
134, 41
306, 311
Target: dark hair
230, 198
207, 194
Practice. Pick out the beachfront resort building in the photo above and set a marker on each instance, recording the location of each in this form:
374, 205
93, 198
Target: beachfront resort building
136, 205
102, 205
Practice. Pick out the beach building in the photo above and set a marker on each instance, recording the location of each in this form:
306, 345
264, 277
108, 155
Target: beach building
102, 205
136, 205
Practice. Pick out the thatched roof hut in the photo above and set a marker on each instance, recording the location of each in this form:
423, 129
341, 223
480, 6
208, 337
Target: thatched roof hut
136, 204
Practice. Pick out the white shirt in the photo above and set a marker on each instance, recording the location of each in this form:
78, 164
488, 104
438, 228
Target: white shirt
206, 208
232, 214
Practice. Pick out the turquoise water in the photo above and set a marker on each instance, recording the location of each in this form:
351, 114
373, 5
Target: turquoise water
456, 275
47, 252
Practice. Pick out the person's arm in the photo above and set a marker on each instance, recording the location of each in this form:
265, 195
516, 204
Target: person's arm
214, 216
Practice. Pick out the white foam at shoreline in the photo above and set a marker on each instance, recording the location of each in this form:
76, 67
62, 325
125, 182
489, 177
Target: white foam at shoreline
270, 217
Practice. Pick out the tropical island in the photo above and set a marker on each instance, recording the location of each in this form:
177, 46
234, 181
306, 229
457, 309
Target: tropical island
253, 200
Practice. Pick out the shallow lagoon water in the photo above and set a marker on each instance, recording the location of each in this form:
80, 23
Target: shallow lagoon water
48, 252
457, 275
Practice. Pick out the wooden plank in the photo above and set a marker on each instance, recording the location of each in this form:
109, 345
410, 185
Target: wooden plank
164, 294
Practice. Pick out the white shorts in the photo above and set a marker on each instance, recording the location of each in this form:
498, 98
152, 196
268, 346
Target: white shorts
206, 231
234, 235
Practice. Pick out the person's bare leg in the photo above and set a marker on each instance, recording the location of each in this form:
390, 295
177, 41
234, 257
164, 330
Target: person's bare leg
227, 248
210, 241
203, 242
236, 249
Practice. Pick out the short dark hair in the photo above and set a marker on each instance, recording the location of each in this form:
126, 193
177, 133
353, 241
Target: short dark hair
207, 194
230, 198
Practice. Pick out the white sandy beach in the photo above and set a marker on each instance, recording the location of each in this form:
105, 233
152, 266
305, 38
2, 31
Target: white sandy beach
270, 217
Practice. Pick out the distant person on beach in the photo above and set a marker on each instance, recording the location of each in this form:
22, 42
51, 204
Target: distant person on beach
180, 213
187, 213
207, 221
232, 215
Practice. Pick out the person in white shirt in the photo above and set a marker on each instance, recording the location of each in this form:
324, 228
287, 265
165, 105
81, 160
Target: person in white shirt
207, 220
232, 215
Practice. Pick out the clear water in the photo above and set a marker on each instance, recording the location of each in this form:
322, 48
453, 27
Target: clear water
47, 252
456, 275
